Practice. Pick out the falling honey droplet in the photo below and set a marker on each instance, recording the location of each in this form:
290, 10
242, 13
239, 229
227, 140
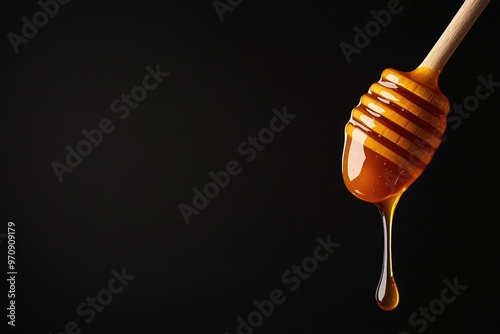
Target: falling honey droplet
387, 295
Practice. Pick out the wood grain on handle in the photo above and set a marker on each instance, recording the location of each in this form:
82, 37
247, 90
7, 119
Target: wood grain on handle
454, 34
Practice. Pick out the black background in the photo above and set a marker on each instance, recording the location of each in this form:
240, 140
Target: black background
119, 208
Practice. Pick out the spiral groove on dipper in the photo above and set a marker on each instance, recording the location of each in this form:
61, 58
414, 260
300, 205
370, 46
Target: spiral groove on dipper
401, 120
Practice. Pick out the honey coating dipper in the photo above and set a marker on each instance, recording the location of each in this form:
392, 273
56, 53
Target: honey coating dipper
394, 132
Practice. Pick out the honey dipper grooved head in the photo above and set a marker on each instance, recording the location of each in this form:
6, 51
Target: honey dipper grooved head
393, 133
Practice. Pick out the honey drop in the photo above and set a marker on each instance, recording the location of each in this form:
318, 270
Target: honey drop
387, 294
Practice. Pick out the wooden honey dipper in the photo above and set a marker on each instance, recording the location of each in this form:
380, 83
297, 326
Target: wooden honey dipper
394, 132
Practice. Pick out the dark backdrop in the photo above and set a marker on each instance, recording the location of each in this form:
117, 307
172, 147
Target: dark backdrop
119, 207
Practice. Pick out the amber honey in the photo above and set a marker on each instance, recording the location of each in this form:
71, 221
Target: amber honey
391, 137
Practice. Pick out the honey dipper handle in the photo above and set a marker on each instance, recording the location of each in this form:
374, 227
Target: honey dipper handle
454, 34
